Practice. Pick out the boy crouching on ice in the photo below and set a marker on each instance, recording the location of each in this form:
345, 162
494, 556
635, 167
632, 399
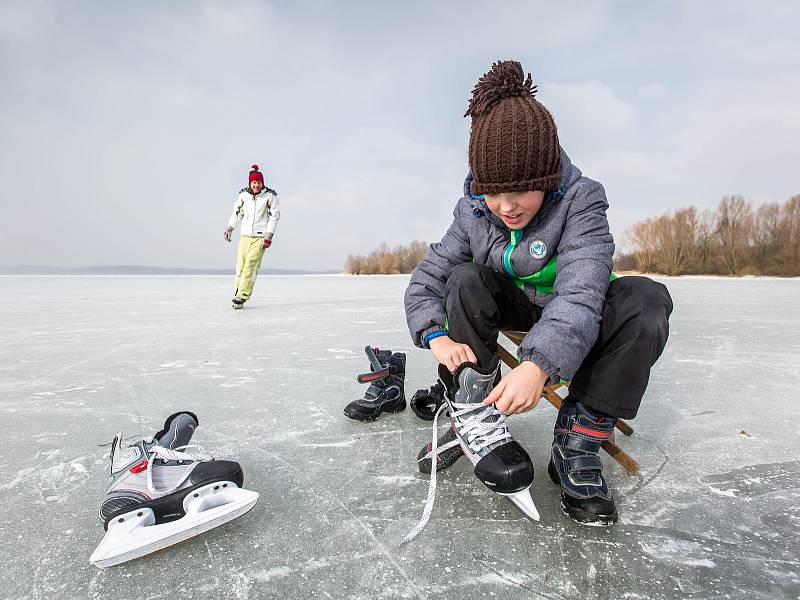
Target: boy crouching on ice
530, 249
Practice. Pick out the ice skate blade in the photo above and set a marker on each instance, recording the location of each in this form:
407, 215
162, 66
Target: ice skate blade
135, 534
524, 502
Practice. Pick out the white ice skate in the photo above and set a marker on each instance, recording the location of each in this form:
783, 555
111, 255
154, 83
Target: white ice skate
160, 496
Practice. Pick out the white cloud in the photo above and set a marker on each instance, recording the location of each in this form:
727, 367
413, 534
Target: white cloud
589, 113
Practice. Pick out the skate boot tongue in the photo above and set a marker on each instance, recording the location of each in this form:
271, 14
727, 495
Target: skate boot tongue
178, 430
473, 384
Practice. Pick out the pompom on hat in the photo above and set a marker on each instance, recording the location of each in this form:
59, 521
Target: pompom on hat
513, 142
255, 175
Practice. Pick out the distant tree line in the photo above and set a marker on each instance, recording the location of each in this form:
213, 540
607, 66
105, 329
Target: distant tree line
734, 239
383, 260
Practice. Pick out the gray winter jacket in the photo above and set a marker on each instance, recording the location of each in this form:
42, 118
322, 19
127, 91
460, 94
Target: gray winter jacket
571, 226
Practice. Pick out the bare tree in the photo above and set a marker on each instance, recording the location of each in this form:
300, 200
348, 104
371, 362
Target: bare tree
674, 240
704, 241
643, 239
734, 232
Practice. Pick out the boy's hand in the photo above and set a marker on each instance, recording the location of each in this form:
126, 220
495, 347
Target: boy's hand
267, 241
450, 353
227, 234
520, 390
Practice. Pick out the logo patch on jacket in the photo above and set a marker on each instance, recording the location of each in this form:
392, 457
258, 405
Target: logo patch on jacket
538, 249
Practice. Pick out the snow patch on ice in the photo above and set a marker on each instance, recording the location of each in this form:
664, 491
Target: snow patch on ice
395, 479
703, 562
680, 551
707, 363
21, 476
343, 444
274, 573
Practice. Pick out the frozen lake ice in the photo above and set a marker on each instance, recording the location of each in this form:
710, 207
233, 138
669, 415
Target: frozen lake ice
715, 512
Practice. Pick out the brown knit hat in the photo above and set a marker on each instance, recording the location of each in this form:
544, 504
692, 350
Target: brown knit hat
513, 143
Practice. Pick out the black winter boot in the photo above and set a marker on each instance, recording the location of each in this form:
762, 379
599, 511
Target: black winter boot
385, 392
576, 466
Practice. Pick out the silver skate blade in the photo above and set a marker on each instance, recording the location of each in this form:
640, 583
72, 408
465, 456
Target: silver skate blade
135, 534
525, 503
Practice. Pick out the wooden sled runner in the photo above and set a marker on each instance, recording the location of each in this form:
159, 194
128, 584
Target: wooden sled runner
555, 393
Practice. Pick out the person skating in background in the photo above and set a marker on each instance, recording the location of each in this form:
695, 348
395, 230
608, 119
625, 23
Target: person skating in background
530, 249
258, 211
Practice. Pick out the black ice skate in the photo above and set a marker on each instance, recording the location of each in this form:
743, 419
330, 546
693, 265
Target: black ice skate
164, 491
425, 403
238, 302
385, 392
501, 464
576, 466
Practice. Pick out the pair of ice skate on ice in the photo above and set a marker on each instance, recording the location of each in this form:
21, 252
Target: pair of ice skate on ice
480, 432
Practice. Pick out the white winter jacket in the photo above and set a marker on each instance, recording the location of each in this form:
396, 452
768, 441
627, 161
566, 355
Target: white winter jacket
258, 214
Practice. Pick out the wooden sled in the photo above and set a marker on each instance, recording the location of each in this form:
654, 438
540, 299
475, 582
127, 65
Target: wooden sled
556, 393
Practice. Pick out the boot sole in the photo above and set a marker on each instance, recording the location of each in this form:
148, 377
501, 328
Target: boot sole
588, 519
357, 417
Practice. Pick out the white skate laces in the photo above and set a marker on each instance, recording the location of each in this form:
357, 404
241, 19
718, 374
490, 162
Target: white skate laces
180, 455
426, 512
485, 427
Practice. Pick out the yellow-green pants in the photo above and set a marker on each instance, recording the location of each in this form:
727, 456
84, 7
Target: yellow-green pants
248, 262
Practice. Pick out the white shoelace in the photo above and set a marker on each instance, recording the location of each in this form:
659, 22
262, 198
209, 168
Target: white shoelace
178, 454
479, 435
426, 512
478, 432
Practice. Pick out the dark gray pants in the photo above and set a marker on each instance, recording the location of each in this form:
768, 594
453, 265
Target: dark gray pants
613, 376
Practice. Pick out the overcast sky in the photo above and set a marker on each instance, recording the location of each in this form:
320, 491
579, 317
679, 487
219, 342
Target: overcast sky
127, 128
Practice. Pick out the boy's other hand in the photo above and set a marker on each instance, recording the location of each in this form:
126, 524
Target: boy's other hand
520, 390
450, 353
227, 234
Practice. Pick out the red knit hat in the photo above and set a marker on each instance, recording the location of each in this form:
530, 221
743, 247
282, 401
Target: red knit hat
255, 175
